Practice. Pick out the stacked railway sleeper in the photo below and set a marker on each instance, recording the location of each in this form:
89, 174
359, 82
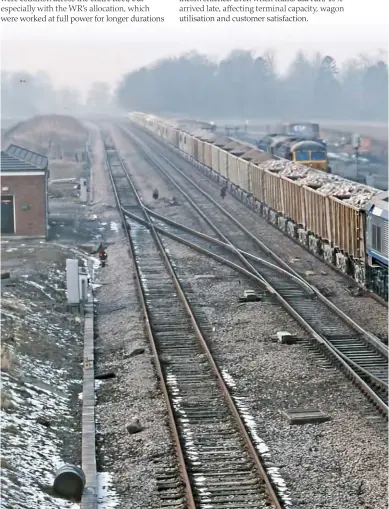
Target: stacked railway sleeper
218, 462
360, 353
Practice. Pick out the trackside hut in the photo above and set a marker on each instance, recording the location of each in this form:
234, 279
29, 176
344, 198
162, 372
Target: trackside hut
24, 193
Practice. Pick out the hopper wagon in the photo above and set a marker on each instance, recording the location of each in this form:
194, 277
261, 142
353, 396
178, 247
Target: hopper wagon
343, 222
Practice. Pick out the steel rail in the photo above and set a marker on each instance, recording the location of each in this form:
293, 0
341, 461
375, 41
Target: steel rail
200, 249
318, 337
229, 400
234, 266
196, 163
241, 254
232, 249
240, 269
368, 335
214, 202
158, 367
214, 228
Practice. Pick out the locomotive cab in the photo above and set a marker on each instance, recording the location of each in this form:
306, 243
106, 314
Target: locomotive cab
377, 244
310, 153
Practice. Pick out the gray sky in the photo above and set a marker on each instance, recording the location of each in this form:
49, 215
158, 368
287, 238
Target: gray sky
76, 55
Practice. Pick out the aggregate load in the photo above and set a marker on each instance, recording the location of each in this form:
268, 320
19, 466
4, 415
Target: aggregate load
358, 194
197, 133
327, 184
295, 170
256, 156
230, 146
258, 160
239, 149
315, 178
361, 200
204, 135
222, 142
275, 165
208, 137
333, 185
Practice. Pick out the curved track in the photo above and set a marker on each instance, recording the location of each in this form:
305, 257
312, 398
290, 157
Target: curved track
361, 354
219, 464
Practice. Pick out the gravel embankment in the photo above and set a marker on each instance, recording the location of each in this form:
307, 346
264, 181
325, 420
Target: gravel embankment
366, 311
41, 348
131, 459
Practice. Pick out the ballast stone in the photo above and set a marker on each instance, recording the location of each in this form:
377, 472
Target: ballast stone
134, 427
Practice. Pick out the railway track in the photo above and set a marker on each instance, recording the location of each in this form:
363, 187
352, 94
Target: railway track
219, 464
363, 357
240, 196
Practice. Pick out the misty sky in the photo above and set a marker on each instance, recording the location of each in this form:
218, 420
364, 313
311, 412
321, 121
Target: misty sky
79, 54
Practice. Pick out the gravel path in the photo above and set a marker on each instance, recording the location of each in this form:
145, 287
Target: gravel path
131, 459
340, 464
364, 310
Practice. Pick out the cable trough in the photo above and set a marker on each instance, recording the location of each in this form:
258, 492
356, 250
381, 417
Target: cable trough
361, 354
219, 465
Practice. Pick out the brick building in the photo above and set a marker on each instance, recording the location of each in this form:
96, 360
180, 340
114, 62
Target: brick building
24, 193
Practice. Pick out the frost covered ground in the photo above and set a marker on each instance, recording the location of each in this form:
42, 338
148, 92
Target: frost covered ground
41, 376
42, 344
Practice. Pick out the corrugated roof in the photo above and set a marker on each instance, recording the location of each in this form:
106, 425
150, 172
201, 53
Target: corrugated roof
20, 159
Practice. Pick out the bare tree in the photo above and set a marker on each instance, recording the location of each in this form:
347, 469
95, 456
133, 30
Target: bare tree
99, 98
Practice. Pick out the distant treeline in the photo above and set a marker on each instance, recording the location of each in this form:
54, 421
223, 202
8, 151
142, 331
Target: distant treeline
244, 85
24, 95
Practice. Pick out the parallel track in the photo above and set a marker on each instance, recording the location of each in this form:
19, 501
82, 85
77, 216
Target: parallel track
244, 198
219, 464
362, 355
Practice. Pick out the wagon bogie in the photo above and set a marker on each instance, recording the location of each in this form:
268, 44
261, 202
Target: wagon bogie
307, 209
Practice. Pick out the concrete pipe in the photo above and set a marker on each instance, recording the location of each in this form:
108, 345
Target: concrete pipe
69, 482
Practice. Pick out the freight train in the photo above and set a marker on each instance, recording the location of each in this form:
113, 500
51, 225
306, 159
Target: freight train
308, 152
343, 222
298, 142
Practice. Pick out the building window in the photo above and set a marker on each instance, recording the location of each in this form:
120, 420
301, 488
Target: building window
376, 237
